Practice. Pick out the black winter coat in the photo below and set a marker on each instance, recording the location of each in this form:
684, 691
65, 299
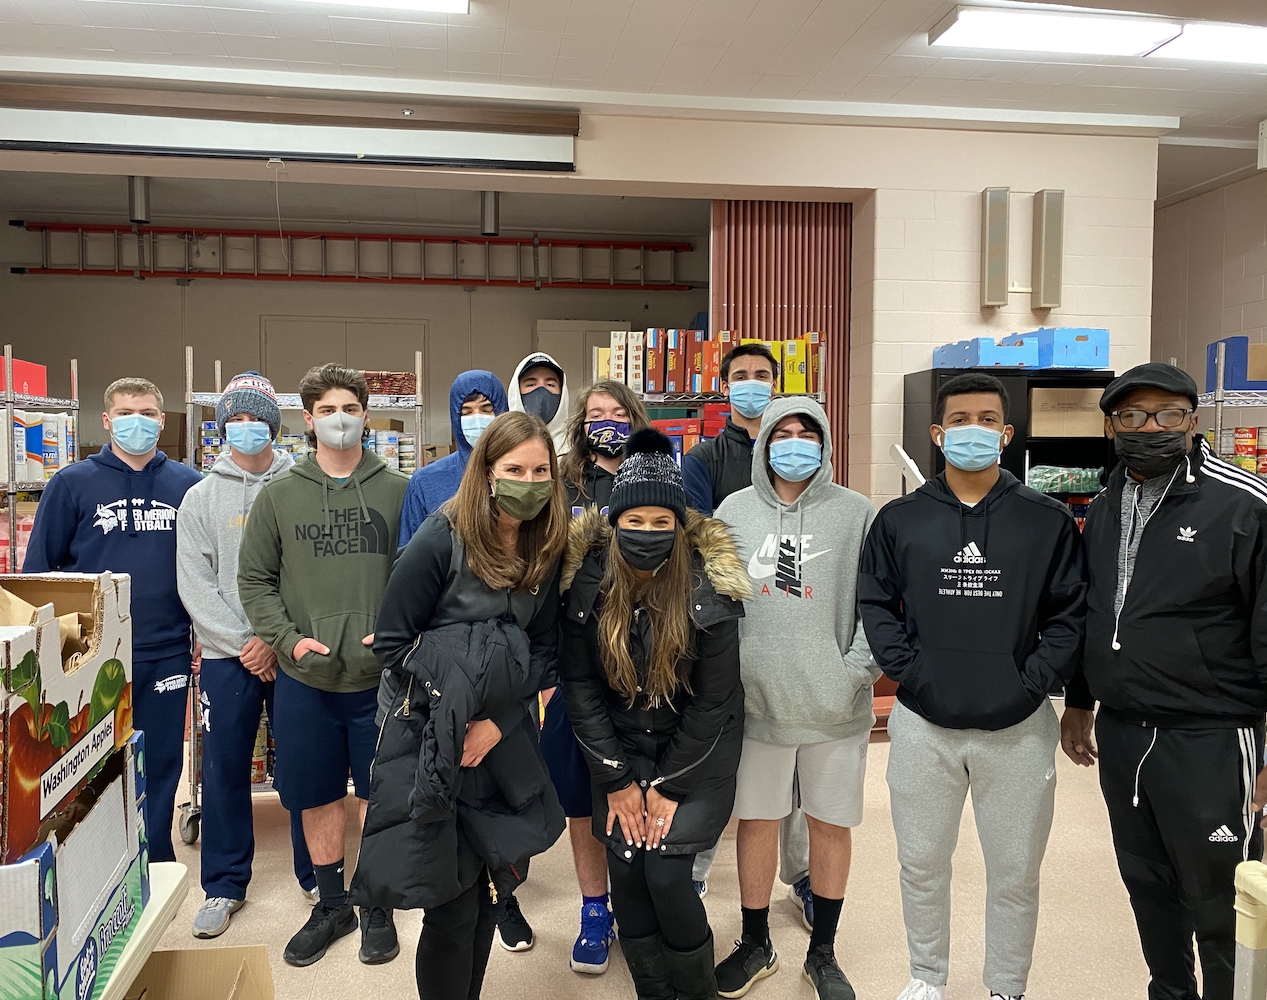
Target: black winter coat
1189, 649
432, 825
686, 747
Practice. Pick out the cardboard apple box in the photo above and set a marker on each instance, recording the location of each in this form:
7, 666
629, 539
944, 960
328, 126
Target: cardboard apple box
60, 720
205, 974
70, 905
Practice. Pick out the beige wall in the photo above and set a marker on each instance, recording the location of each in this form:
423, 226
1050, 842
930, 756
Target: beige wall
917, 194
1210, 259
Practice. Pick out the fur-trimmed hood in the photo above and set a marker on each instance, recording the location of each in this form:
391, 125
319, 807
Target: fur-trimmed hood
707, 536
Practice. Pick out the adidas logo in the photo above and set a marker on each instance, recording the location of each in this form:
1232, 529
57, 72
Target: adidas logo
969, 554
1186, 535
1223, 836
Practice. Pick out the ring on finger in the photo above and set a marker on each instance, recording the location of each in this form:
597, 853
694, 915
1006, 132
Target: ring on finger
660, 821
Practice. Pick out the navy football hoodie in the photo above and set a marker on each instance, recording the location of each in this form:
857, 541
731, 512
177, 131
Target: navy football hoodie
977, 612
99, 514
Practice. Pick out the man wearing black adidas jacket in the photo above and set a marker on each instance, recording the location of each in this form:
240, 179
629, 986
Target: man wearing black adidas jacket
1176, 654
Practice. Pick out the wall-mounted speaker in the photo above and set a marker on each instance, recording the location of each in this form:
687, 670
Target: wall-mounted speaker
1049, 249
994, 246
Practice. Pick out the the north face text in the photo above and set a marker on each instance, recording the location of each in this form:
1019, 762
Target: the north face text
349, 534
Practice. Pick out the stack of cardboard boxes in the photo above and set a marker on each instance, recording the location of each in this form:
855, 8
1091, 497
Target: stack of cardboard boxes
75, 874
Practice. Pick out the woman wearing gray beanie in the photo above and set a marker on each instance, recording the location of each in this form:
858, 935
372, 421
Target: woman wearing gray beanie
649, 657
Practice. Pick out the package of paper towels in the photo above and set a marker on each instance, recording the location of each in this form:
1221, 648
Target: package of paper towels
28, 448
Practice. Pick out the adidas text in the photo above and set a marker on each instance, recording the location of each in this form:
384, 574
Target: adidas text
1223, 835
969, 554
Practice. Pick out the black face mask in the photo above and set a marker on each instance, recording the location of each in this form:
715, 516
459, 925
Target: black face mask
1150, 455
645, 550
541, 402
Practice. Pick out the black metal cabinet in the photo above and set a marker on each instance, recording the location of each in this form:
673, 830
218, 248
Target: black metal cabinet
920, 396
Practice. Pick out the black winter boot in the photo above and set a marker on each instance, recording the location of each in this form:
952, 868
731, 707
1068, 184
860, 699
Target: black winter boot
691, 972
644, 957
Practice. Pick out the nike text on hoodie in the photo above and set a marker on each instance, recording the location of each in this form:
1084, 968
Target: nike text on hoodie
101, 514
807, 670
978, 613
212, 517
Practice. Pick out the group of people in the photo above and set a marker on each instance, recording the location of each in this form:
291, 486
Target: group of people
559, 626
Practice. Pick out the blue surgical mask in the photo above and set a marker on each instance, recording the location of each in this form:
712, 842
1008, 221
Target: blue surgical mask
135, 433
795, 459
971, 447
750, 397
473, 425
250, 437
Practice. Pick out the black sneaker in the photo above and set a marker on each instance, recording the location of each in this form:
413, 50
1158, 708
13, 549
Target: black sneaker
823, 973
513, 932
749, 962
324, 927
378, 936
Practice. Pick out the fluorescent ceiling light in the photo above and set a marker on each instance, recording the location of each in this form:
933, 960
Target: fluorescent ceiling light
421, 6
1232, 43
1051, 31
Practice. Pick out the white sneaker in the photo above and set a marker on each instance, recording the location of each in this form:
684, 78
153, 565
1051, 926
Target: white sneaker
917, 989
212, 918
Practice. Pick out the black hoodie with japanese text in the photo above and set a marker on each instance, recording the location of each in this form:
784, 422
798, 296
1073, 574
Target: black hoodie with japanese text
976, 612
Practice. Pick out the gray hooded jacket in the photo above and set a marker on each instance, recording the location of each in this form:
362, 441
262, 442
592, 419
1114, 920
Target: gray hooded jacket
208, 535
807, 670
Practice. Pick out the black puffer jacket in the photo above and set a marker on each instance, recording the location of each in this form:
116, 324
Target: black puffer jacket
688, 747
477, 653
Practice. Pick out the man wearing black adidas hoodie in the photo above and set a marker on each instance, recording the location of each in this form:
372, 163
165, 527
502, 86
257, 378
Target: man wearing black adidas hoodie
1176, 655
973, 600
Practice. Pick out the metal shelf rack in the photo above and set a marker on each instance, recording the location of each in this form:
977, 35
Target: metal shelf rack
12, 486
689, 399
291, 401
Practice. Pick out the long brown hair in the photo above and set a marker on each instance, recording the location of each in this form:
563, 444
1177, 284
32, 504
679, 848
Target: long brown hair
572, 465
473, 513
666, 600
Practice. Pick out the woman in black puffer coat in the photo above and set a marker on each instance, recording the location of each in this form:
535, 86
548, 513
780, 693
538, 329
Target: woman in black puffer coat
649, 657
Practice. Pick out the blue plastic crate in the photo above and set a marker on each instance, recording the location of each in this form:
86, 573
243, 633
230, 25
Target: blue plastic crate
983, 352
1235, 366
1067, 346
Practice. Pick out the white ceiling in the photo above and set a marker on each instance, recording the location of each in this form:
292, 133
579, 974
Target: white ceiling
761, 56
49, 197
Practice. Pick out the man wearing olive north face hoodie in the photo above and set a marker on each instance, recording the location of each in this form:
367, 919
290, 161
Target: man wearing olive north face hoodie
973, 593
807, 676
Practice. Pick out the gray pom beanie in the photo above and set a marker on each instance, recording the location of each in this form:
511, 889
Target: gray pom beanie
250, 393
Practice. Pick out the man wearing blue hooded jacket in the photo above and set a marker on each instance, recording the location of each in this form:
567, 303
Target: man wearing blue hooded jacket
474, 399
117, 511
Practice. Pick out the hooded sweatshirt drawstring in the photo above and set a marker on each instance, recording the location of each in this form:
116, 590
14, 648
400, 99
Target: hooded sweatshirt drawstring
325, 504
365, 511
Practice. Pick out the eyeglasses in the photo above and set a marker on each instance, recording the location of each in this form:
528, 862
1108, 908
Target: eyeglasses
1168, 419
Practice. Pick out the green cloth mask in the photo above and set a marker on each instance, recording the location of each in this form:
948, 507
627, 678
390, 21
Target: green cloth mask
521, 500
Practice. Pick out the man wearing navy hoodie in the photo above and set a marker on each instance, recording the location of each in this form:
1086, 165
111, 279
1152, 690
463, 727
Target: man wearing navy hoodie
117, 511
474, 399
973, 595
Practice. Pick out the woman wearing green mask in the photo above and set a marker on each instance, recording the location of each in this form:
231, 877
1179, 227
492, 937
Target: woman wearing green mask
467, 636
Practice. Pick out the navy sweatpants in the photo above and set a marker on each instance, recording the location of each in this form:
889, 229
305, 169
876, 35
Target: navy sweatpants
231, 698
160, 694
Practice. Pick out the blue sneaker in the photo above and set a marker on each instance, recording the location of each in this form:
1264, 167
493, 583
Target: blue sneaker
589, 954
803, 897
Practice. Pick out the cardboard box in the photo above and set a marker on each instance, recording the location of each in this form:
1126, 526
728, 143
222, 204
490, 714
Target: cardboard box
386, 424
695, 340
619, 344
28, 379
675, 373
205, 974
601, 366
68, 908
61, 721
434, 452
1061, 412
814, 361
635, 360
712, 366
794, 366
653, 381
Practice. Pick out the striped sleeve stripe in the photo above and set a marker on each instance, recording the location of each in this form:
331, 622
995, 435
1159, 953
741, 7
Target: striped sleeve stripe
1236, 477
1248, 775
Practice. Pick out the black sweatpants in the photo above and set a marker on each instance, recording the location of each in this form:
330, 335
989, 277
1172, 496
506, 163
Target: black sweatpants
453, 949
1180, 805
653, 894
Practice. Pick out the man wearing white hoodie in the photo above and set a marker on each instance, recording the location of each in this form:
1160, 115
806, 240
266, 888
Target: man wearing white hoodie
238, 668
540, 387
807, 675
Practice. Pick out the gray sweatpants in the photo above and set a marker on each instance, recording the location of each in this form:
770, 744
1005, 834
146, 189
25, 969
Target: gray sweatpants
793, 850
1012, 776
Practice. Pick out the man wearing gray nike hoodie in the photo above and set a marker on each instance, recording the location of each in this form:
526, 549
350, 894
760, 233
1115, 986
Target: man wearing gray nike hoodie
807, 676
236, 677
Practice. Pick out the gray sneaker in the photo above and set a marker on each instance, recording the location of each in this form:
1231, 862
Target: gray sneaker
213, 916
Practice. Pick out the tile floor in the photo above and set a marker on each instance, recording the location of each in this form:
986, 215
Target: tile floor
1087, 946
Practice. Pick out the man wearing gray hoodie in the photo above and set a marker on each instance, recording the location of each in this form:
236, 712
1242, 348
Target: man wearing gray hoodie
236, 678
807, 675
